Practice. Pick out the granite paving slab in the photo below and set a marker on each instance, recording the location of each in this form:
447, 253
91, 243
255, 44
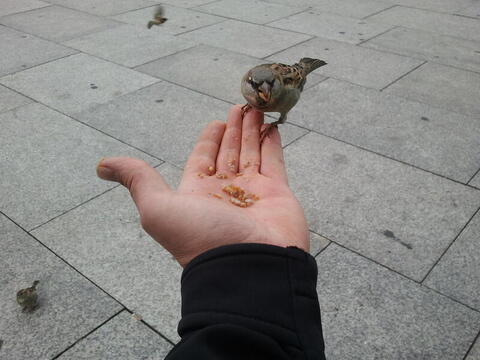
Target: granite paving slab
10, 99
57, 23
104, 7
129, 45
350, 8
442, 86
69, 306
21, 51
369, 312
464, 54
14, 6
289, 133
471, 11
163, 120
433, 139
187, 3
457, 274
48, 163
474, 353
127, 262
180, 20
331, 26
400, 216
255, 11
317, 243
475, 181
250, 39
439, 23
447, 6
122, 337
369, 68
76, 82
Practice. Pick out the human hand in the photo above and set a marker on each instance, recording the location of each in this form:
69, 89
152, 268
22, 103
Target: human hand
190, 221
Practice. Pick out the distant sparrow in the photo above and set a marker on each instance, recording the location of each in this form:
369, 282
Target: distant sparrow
158, 18
276, 88
27, 298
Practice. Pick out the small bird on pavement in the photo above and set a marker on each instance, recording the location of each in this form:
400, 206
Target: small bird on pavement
276, 88
158, 18
27, 298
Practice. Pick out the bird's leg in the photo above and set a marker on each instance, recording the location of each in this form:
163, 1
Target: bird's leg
266, 130
245, 108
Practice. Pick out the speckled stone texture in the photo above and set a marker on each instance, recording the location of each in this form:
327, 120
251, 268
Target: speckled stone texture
10, 99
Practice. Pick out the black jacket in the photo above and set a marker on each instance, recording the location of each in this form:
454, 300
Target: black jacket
250, 301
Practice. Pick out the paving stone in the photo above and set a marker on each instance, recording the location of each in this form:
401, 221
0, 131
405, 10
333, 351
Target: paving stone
471, 11
102, 7
10, 99
250, 39
345, 61
442, 86
475, 181
474, 353
442, 49
57, 23
433, 139
15, 6
179, 20
126, 263
255, 11
69, 306
289, 133
444, 24
331, 26
397, 215
77, 82
457, 274
129, 45
122, 337
186, 3
447, 6
164, 120
21, 51
369, 312
317, 243
48, 163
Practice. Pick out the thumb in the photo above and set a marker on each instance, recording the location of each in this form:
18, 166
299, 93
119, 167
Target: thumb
136, 175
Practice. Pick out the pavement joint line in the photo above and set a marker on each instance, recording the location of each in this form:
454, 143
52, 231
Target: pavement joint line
377, 12
452, 298
471, 346
287, 48
473, 176
201, 27
152, 328
161, 57
24, 11
375, 36
322, 250
450, 245
295, 140
87, 334
401, 77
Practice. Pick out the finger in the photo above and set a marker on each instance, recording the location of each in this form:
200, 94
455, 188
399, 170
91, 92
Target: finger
204, 155
250, 151
136, 175
228, 156
273, 163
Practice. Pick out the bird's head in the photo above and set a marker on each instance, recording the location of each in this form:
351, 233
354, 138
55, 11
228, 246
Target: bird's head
260, 86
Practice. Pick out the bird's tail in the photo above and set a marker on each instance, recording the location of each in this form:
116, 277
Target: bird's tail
309, 64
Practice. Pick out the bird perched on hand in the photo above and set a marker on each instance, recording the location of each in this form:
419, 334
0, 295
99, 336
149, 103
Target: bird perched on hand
276, 88
158, 18
27, 298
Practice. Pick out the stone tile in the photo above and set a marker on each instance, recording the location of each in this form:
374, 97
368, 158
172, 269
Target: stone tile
474, 353
369, 312
126, 263
442, 49
122, 337
350, 8
10, 99
289, 133
21, 51
442, 86
186, 3
447, 6
57, 23
129, 45
369, 68
457, 274
317, 243
331, 26
69, 306
471, 11
255, 11
164, 119
444, 24
250, 39
102, 7
433, 139
475, 181
76, 82
15, 6
48, 163
179, 20
397, 215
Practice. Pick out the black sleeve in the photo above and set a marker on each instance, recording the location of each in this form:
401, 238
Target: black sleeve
250, 301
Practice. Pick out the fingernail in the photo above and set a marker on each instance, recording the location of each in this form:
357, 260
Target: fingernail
104, 172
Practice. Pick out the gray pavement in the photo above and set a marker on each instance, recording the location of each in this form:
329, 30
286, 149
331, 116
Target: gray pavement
383, 150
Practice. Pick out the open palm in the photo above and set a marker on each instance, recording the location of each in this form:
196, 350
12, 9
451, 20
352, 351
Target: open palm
193, 219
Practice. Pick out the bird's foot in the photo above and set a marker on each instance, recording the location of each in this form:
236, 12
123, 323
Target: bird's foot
266, 130
245, 108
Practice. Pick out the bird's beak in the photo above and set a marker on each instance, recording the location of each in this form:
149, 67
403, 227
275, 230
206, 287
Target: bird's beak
264, 91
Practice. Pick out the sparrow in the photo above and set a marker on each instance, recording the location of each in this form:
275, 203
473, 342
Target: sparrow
276, 88
158, 18
27, 298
